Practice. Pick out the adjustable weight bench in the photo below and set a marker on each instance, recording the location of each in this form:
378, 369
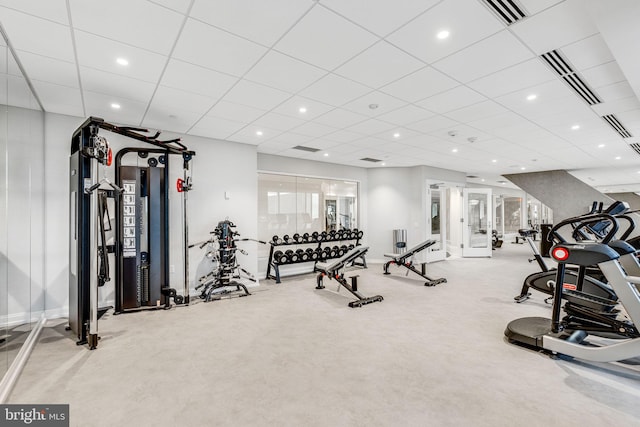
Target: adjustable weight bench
334, 269
404, 260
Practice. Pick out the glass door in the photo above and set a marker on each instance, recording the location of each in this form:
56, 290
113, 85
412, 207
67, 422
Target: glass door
477, 225
436, 223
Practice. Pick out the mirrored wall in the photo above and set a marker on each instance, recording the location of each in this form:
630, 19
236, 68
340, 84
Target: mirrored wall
21, 208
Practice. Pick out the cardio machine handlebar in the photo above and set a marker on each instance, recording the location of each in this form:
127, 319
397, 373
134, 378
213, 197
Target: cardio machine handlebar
582, 222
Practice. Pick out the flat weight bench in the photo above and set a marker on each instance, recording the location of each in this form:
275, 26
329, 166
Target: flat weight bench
334, 270
404, 261
524, 233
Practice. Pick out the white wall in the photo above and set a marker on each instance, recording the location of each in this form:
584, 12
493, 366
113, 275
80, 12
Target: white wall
218, 166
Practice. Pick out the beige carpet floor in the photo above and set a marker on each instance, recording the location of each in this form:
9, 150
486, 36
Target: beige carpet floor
291, 355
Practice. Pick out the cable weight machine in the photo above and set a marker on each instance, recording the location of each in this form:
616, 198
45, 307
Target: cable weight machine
88, 249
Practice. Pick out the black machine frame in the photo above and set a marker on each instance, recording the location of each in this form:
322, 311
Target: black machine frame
89, 150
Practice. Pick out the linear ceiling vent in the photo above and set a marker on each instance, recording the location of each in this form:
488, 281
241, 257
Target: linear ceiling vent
636, 147
617, 126
564, 70
369, 159
508, 11
303, 148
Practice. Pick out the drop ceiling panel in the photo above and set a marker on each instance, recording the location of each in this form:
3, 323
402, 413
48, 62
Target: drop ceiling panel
235, 112
379, 65
603, 75
202, 81
558, 26
99, 105
505, 120
335, 90
476, 112
385, 104
526, 74
588, 53
278, 121
37, 35
313, 129
120, 87
617, 106
405, 115
466, 24
419, 85
216, 127
420, 141
166, 98
370, 127
101, 54
283, 72
340, 118
263, 22
224, 52
379, 16
59, 99
54, 10
49, 70
124, 21
248, 135
291, 139
485, 57
433, 124
404, 134
615, 91
167, 120
343, 136
536, 6
291, 107
255, 95
453, 99
180, 6
343, 41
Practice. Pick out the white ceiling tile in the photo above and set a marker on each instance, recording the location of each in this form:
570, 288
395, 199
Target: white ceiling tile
536, 6
384, 102
314, 129
120, 87
517, 77
547, 93
283, 72
216, 127
166, 97
558, 26
59, 99
291, 107
50, 70
340, 149
587, 53
339, 118
506, 120
343, 41
255, 95
224, 52
235, 112
18, 93
617, 106
466, 25
403, 134
476, 112
335, 90
101, 54
290, 139
615, 91
371, 127
433, 124
99, 105
200, 80
168, 120
248, 135
137, 23
343, 136
485, 57
388, 62
54, 10
178, 5
603, 75
261, 21
38, 35
405, 115
453, 99
420, 140
379, 16
419, 85
278, 121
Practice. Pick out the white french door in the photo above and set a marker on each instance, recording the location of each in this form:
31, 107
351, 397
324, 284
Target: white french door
476, 221
436, 224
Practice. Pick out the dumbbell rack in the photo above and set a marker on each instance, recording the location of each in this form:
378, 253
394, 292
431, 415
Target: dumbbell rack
278, 258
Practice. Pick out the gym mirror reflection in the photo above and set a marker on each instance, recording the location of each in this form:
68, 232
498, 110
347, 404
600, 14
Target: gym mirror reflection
21, 208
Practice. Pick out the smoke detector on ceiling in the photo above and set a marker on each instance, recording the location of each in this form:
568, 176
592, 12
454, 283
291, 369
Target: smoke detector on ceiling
453, 133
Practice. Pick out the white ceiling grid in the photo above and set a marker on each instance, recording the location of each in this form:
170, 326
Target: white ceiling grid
371, 75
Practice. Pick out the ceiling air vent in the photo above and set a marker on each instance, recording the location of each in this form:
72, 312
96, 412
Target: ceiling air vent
636, 147
564, 70
369, 159
507, 10
617, 126
303, 148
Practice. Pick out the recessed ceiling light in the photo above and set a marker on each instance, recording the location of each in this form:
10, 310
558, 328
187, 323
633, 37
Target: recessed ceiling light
532, 97
618, 157
482, 180
493, 161
326, 154
575, 127
522, 168
601, 145
442, 34
455, 150
396, 135
122, 61
115, 106
259, 133
303, 109
382, 164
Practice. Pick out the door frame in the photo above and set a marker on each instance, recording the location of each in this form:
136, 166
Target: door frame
467, 250
441, 253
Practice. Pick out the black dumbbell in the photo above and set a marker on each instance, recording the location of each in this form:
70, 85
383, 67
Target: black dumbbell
286, 238
275, 239
352, 246
305, 237
296, 238
360, 234
314, 255
280, 257
314, 236
323, 236
293, 256
304, 256
333, 252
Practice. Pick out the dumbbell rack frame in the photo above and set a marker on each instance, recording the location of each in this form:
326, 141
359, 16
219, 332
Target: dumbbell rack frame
274, 266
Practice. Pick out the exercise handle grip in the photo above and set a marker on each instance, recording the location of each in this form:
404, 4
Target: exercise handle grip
180, 185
